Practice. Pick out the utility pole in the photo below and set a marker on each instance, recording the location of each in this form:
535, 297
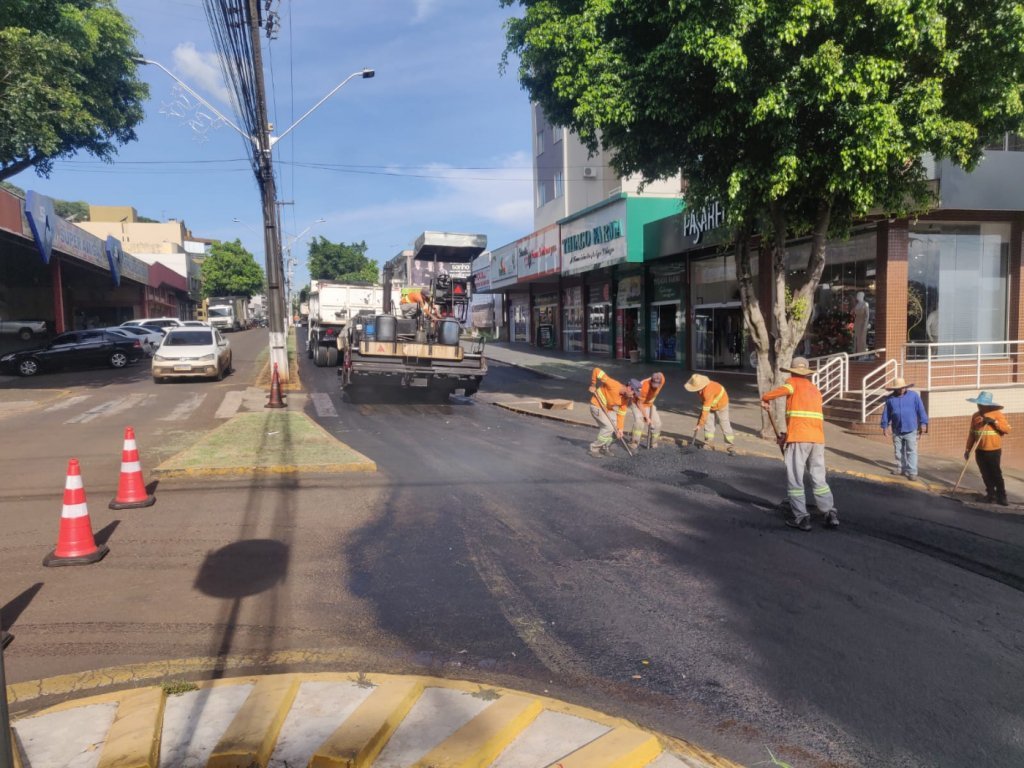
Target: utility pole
268, 191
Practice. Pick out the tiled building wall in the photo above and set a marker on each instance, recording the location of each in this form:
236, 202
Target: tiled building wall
891, 288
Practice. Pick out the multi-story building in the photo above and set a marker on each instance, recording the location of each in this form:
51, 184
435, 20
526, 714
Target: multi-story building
614, 269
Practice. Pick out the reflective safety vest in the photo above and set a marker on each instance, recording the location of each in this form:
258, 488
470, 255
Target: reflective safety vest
648, 394
713, 398
805, 422
988, 436
608, 396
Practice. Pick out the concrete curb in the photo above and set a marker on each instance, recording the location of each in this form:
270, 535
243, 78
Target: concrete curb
329, 720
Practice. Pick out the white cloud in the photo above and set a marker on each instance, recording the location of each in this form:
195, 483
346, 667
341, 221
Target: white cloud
424, 8
497, 201
201, 71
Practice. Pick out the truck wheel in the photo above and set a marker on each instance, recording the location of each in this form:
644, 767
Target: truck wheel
25, 334
318, 357
331, 357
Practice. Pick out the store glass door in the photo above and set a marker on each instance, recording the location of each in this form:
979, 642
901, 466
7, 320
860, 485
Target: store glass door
720, 340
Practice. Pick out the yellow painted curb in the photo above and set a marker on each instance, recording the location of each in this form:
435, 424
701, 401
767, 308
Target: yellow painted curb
482, 739
134, 739
359, 740
251, 736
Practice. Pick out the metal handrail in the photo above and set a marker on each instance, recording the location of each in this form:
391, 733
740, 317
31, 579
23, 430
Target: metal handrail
831, 376
954, 364
872, 394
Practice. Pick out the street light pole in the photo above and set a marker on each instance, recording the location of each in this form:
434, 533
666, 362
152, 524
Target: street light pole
290, 262
264, 143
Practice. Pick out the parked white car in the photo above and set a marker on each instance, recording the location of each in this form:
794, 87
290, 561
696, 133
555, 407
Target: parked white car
155, 322
187, 352
23, 329
151, 338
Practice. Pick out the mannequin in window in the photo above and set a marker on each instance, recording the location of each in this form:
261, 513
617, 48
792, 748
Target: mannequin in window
861, 314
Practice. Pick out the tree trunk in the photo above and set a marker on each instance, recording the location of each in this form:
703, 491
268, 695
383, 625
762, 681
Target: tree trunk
754, 317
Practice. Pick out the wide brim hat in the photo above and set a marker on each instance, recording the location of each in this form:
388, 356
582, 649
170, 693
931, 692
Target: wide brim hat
984, 398
696, 383
898, 383
635, 385
800, 367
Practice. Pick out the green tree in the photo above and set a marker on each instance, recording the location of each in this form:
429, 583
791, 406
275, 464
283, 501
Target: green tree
230, 270
799, 116
67, 82
73, 210
343, 262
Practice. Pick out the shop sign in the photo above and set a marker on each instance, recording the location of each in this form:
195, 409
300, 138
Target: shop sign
504, 268
538, 255
696, 223
598, 294
630, 290
423, 270
482, 273
667, 286
135, 269
545, 299
594, 240
42, 220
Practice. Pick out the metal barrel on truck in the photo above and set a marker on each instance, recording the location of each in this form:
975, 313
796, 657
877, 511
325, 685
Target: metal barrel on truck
418, 344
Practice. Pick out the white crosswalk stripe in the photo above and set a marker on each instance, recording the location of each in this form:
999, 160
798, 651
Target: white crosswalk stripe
67, 402
229, 405
110, 408
323, 405
183, 410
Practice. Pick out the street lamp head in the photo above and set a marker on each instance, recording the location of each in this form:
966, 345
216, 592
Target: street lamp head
320, 221
368, 73
140, 60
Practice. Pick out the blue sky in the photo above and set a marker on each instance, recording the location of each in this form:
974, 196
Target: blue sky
439, 139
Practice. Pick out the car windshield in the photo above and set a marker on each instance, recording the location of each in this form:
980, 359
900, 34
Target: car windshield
189, 339
220, 312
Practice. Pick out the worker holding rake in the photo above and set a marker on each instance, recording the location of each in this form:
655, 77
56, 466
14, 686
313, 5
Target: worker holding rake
644, 411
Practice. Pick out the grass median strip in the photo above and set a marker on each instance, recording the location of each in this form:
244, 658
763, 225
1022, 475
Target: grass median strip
266, 443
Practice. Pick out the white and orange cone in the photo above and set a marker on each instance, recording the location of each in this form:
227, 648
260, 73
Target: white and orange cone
75, 543
131, 488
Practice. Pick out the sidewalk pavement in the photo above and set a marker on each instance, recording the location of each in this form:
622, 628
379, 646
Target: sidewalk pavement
846, 452
330, 720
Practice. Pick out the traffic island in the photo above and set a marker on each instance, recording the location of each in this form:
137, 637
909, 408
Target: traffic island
331, 720
266, 443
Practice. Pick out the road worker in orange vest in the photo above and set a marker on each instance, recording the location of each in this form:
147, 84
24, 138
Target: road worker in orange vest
804, 445
608, 407
714, 402
643, 409
988, 425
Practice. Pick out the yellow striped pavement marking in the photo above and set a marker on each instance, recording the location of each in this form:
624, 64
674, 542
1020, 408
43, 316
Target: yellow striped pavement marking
251, 737
134, 739
358, 741
621, 748
479, 742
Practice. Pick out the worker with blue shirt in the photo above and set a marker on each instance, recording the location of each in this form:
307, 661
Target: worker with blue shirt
904, 413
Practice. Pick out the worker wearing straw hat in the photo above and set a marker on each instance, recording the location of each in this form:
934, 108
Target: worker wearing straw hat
988, 426
805, 445
905, 413
714, 401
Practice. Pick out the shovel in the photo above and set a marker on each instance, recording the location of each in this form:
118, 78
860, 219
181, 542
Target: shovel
963, 471
625, 445
775, 429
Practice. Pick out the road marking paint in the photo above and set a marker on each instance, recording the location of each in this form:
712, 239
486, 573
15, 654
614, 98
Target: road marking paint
66, 403
323, 405
109, 408
183, 410
229, 405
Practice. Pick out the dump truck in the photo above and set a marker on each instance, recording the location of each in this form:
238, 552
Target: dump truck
228, 313
332, 306
418, 344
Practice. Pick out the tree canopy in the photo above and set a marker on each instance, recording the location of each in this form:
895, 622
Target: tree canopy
67, 82
343, 262
798, 116
230, 270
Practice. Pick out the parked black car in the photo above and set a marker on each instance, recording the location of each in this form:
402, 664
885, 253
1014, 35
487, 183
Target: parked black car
76, 349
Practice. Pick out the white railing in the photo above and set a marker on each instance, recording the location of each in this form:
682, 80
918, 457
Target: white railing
975, 364
831, 375
873, 391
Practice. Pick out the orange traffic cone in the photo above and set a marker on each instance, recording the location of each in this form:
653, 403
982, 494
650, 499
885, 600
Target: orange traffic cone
75, 544
131, 488
275, 391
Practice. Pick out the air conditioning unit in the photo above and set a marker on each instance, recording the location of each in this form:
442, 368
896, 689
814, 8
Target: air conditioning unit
589, 172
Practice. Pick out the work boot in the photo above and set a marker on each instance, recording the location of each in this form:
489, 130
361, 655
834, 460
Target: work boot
803, 524
1002, 501
832, 519
634, 445
596, 453
607, 450
731, 450
990, 497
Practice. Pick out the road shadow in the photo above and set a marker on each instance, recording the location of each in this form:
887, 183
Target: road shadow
13, 609
102, 536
